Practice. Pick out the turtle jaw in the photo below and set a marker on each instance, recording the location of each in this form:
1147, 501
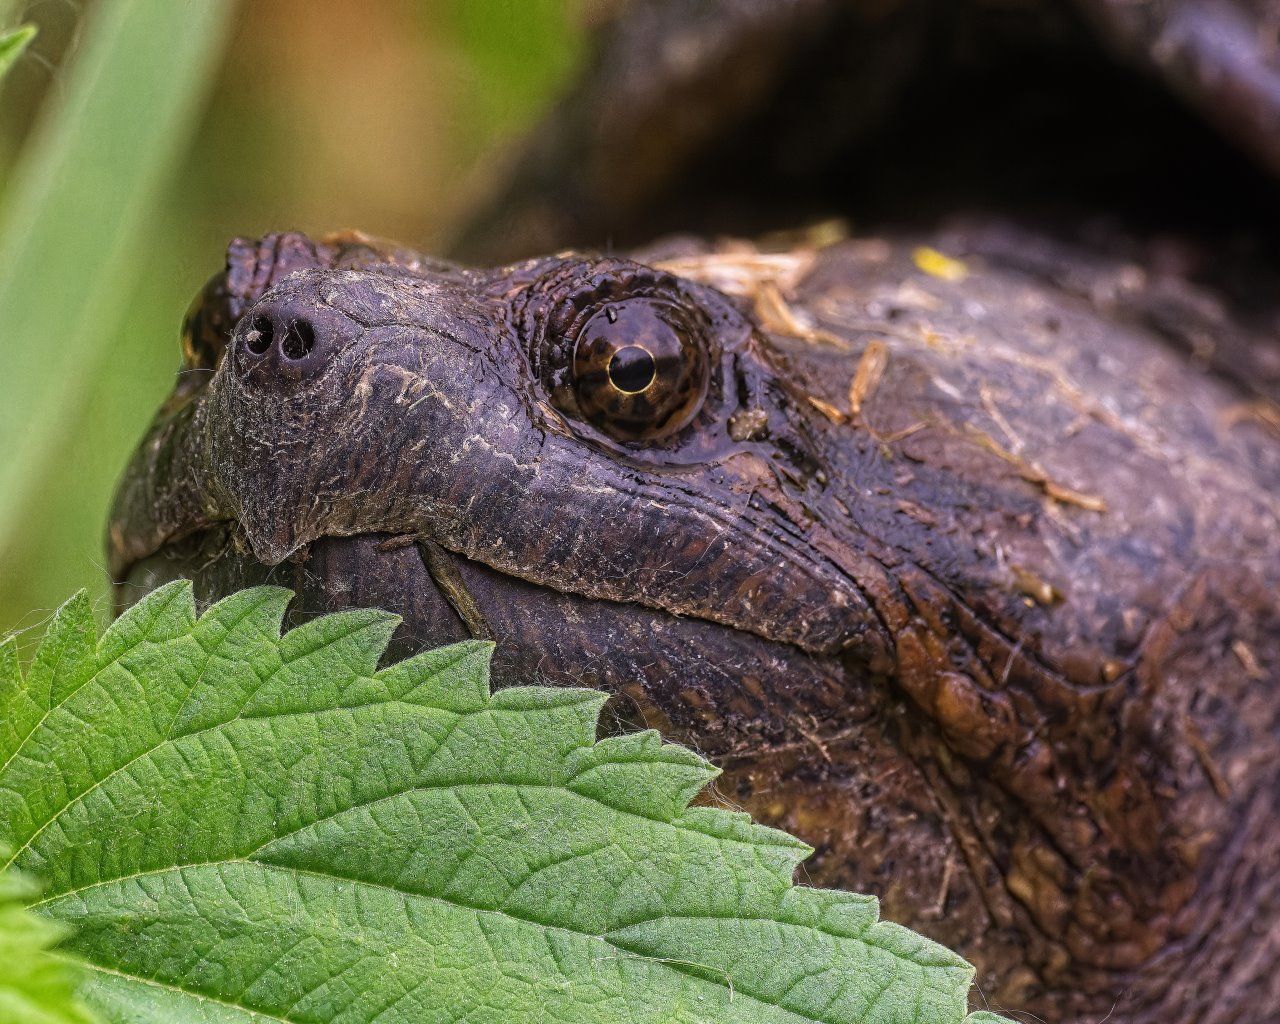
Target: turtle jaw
719, 688
807, 742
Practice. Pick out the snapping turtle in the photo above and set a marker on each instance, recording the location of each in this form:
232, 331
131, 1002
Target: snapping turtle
964, 566
961, 571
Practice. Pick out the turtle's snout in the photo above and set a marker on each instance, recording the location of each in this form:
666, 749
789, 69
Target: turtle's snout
286, 340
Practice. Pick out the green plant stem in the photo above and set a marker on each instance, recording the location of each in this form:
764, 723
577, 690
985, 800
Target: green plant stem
12, 43
71, 221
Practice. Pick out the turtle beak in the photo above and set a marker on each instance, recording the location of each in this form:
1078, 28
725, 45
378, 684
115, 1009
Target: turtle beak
171, 490
271, 539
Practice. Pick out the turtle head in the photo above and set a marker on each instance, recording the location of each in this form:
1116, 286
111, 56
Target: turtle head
590, 425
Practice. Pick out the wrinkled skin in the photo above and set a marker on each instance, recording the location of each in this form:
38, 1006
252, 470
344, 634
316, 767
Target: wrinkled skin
969, 583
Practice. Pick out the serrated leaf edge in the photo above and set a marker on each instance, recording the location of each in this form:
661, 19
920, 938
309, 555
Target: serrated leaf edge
797, 906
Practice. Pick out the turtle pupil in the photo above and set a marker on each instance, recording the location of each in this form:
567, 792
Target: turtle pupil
632, 369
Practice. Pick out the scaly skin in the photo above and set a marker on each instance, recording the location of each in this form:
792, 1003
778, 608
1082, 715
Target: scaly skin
966, 577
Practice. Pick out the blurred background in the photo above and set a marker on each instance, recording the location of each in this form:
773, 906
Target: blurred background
392, 117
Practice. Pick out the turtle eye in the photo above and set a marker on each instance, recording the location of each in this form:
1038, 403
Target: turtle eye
639, 369
206, 329
204, 332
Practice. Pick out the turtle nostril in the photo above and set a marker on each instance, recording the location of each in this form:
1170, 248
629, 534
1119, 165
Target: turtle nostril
260, 335
299, 340
286, 340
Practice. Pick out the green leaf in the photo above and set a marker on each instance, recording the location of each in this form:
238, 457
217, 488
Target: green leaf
245, 827
36, 987
12, 43
73, 213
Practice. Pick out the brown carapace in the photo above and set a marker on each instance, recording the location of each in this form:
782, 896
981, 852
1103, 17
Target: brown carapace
959, 568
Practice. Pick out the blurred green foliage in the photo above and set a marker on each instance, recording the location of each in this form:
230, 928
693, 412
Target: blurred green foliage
71, 222
12, 43
319, 114
36, 985
517, 54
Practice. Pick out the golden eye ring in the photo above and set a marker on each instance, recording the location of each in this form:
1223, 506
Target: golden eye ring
632, 369
639, 369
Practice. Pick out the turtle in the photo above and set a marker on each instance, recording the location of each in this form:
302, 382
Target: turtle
955, 565
950, 539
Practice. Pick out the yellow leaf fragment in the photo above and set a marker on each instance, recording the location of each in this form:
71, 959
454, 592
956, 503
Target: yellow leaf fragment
939, 265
